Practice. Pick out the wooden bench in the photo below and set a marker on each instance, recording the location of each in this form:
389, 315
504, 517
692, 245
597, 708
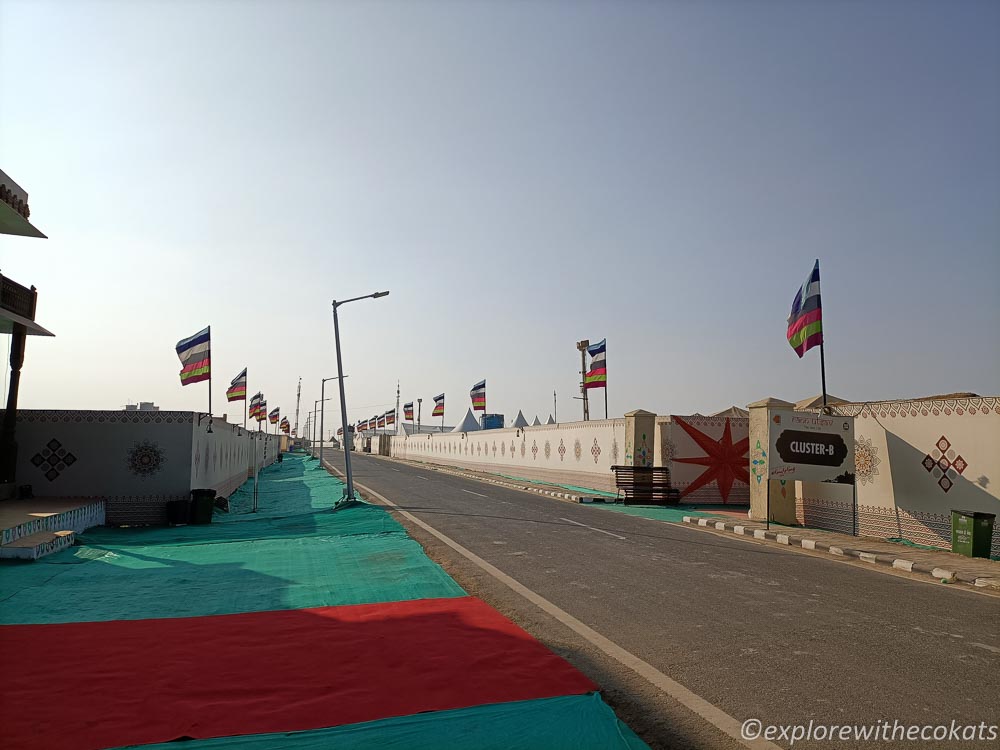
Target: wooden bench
645, 485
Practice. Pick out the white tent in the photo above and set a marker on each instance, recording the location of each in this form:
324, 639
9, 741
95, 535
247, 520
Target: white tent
551, 420
536, 423
469, 424
520, 421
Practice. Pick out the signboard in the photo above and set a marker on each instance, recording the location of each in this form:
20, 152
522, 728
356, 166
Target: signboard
811, 447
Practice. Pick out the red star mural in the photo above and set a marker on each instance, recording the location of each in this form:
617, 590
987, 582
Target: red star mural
726, 461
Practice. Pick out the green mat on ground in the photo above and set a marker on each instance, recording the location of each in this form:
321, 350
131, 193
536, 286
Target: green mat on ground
572, 487
252, 563
576, 722
669, 513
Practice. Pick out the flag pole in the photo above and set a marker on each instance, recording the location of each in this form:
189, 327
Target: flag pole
822, 359
822, 370
210, 380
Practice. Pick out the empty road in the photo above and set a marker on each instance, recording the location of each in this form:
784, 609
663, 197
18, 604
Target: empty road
761, 633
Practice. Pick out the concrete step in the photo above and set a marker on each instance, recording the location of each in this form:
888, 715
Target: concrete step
21, 518
37, 545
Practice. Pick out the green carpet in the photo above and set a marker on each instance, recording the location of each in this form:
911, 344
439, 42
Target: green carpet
284, 557
576, 722
669, 513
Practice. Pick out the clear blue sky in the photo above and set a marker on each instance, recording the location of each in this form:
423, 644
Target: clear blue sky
520, 176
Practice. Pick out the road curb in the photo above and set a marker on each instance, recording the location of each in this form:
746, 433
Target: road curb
882, 559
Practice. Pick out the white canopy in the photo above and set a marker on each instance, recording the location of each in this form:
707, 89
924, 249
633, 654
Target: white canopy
551, 420
520, 421
469, 424
536, 423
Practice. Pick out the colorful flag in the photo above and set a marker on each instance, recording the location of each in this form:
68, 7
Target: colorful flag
390, 417
262, 411
195, 354
255, 402
478, 394
237, 390
408, 411
285, 425
274, 415
597, 376
380, 422
805, 322
438, 406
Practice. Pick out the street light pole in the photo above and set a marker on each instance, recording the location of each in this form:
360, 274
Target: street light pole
349, 489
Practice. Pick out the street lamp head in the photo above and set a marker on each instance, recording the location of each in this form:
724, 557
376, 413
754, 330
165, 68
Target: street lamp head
380, 294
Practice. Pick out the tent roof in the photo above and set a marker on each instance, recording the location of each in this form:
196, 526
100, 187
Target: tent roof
816, 402
468, 424
551, 420
732, 411
536, 423
520, 421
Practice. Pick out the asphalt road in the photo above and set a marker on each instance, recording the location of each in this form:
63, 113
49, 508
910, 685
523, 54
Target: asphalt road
760, 632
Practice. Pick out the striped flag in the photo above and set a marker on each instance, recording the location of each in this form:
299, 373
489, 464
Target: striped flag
255, 402
408, 411
195, 354
285, 426
380, 422
597, 376
438, 406
237, 390
390, 417
274, 415
262, 411
805, 322
478, 394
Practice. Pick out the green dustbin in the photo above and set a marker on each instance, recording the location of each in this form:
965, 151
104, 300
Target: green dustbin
971, 532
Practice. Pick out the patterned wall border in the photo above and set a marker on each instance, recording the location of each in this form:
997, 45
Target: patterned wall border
980, 405
29, 416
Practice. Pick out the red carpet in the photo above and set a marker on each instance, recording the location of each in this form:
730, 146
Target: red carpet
261, 672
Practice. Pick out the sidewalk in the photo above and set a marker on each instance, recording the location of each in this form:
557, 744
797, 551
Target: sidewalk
291, 627
940, 565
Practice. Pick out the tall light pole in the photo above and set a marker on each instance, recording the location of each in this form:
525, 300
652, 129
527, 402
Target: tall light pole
315, 424
349, 489
322, 413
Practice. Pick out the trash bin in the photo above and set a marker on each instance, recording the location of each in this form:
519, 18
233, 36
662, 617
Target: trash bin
177, 512
971, 532
202, 505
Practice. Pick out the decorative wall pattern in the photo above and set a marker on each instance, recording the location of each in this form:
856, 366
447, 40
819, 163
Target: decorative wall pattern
136, 461
579, 453
145, 459
915, 462
53, 459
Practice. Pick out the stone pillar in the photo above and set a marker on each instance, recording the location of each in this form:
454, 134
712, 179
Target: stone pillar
760, 419
640, 427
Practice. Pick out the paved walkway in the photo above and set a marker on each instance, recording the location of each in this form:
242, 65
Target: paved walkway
939, 564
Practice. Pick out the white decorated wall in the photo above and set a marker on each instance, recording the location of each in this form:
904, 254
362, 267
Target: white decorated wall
577, 453
915, 461
136, 461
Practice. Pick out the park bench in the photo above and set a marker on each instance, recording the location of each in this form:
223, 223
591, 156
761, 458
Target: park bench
645, 485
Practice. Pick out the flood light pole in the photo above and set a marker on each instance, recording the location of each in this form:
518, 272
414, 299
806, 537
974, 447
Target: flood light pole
348, 438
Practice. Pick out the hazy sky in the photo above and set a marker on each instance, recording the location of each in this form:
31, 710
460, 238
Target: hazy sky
520, 175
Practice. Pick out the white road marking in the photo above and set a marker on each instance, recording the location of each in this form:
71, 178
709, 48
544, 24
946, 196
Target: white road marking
994, 649
420, 477
570, 520
693, 702
476, 493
